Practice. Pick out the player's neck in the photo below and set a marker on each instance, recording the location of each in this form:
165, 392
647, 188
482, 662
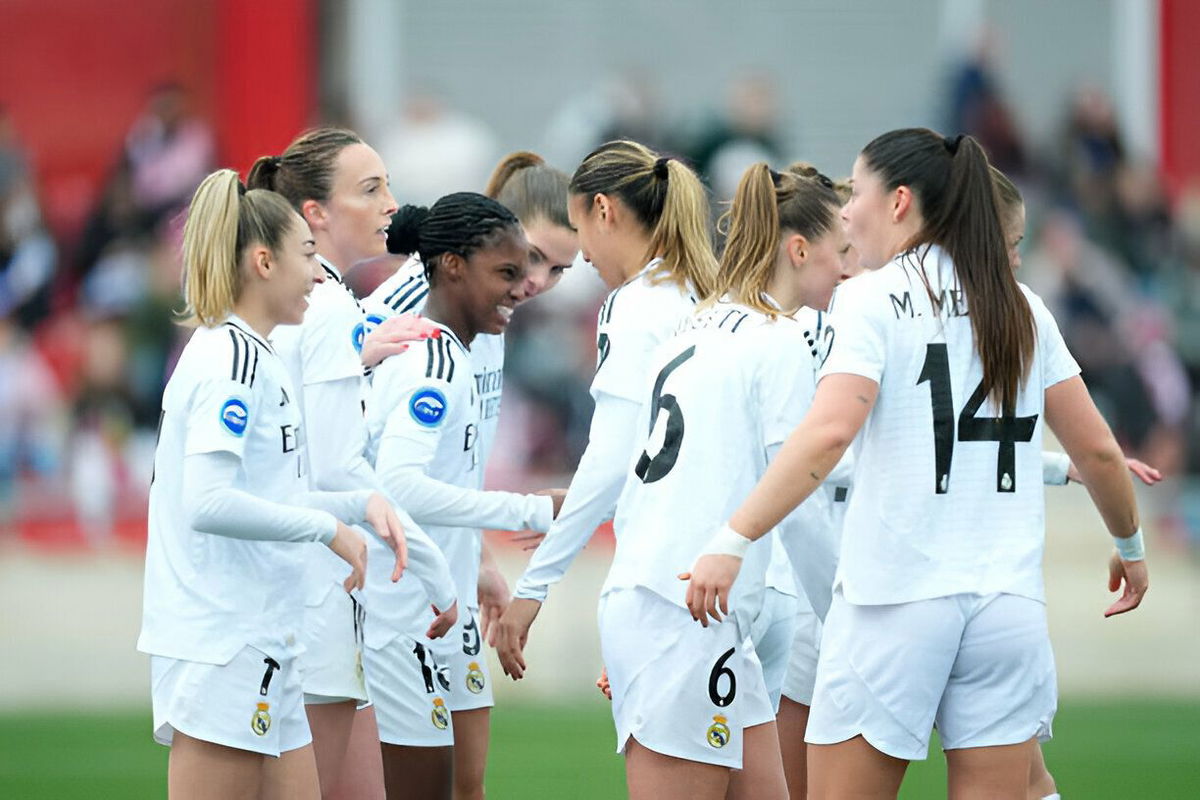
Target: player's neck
256, 316
783, 290
453, 318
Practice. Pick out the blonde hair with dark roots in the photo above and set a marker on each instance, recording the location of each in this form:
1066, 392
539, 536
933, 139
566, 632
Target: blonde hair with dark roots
222, 221
766, 205
667, 198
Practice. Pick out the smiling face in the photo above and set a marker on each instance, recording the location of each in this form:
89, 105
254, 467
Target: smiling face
552, 250
492, 281
294, 272
353, 221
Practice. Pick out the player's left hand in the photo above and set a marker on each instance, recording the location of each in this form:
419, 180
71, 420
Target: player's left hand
602, 683
1145, 473
711, 578
393, 336
1134, 576
494, 598
512, 632
382, 517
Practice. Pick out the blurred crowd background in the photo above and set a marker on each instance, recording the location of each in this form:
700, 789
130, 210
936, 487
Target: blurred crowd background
90, 210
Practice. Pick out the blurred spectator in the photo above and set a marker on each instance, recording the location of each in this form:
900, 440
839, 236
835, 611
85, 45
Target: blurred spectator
166, 154
745, 133
1092, 151
27, 253
978, 107
31, 416
432, 151
622, 106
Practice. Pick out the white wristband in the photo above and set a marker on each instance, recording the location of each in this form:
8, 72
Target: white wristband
1131, 548
726, 542
1054, 468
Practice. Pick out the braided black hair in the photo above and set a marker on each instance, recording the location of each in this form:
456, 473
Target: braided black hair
458, 223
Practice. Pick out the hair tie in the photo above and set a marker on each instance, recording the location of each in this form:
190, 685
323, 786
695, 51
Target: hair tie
660, 169
952, 144
775, 177
241, 188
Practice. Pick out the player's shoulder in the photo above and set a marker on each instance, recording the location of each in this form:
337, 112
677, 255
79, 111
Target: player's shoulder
231, 350
405, 290
646, 303
440, 359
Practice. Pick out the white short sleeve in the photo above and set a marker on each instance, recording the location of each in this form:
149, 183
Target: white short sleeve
1057, 362
786, 385
855, 332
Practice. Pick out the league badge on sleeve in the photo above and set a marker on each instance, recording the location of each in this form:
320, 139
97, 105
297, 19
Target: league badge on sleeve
364, 329
235, 416
428, 407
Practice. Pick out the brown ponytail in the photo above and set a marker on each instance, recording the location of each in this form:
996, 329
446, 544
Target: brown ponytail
953, 182
305, 170
533, 190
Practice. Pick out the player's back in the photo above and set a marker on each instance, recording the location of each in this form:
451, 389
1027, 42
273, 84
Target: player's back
948, 495
722, 393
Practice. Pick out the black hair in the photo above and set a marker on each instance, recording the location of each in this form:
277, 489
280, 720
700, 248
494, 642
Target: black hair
458, 223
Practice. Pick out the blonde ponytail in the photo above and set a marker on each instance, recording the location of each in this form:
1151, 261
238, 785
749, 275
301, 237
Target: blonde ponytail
222, 220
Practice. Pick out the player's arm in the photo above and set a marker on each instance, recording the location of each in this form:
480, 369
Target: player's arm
1057, 470
591, 499
422, 410
1074, 419
337, 463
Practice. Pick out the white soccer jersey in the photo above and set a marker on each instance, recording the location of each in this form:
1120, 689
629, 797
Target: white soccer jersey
208, 596
634, 320
722, 396
425, 398
948, 492
407, 289
324, 349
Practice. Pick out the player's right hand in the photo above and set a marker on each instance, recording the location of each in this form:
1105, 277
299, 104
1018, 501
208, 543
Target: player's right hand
382, 517
443, 622
351, 548
602, 683
512, 632
1135, 578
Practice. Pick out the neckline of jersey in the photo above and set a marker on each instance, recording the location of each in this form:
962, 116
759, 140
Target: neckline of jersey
235, 321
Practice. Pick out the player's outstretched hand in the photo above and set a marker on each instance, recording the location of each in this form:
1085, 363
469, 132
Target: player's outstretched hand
1135, 578
1145, 473
557, 495
511, 634
443, 622
494, 598
393, 336
351, 548
711, 578
602, 683
382, 517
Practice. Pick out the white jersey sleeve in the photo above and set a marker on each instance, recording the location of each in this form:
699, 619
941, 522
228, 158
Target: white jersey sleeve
430, 393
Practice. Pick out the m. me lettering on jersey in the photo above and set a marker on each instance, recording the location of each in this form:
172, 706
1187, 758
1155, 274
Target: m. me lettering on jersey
946, 303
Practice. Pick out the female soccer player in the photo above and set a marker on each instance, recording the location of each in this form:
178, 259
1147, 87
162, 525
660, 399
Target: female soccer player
690, 704
340, 186
223, 595
938, 608
643, 223
537, 194
424, 419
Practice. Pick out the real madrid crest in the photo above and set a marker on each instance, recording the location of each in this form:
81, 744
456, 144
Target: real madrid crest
718, 732
260, 723
475, 682
440, 714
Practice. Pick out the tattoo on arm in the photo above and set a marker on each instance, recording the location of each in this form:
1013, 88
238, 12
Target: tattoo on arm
863, 400
815, 476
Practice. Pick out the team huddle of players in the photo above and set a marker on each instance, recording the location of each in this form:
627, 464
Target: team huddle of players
828, 515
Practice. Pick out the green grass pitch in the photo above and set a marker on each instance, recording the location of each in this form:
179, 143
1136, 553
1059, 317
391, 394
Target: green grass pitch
1101, 750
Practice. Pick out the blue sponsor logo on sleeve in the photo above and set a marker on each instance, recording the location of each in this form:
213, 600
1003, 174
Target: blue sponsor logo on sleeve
235, 416
428, 407
364, 329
